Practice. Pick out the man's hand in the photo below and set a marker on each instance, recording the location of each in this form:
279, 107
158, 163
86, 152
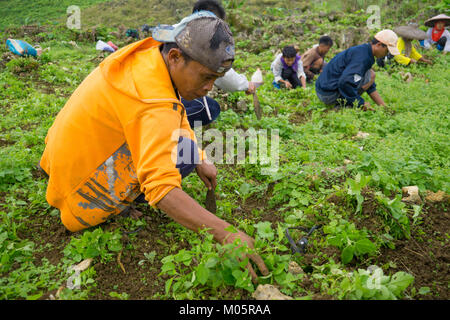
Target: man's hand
367, 107
253, 257
207, 172
425, 60
183, 209
287, 84
251, 88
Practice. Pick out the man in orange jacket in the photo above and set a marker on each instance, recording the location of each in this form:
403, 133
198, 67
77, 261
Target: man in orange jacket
124, 129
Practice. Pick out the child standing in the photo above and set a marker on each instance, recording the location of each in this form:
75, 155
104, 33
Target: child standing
287, 69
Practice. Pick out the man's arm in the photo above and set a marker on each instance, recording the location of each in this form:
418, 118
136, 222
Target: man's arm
183, 209
301, 74
307, 62
447, 44
178, 205
277, 69
425, 60
308, 72
375, 96
303, 81
402, 59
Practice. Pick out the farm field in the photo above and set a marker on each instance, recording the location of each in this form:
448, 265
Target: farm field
342, 171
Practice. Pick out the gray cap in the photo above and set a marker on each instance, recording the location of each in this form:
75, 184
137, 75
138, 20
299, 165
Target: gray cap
203, 37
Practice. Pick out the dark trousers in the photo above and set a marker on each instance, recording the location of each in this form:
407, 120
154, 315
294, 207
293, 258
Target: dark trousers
381, 62
313, 72
441, 42
187, 160
200, 112
290, 75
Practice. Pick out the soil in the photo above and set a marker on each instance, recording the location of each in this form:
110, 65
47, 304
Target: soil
5, 143
139, 281
300, 117
34, 32
425, 255
139, 278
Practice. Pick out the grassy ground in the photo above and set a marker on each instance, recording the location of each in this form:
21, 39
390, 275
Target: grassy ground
327, 176
17, 13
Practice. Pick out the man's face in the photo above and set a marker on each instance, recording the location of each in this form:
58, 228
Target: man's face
381, 50
192, 79
289, 61
323, 49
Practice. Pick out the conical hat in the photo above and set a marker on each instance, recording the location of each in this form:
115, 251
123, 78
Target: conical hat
410, 32
430, 22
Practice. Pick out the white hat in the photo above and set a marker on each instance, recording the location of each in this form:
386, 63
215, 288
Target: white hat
389, 38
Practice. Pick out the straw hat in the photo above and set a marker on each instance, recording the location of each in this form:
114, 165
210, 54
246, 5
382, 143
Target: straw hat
410, 32
430, 22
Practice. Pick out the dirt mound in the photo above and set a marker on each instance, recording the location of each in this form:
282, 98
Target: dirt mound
34, 32
5, 58
426, 255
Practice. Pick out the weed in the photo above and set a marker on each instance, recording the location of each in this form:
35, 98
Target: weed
349, 240
92, 244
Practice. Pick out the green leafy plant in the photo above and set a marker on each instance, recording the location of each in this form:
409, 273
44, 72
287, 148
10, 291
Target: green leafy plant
394, 213
121, 296
12, 248
270, 244
22, 65
207, 264
149, 257
234, 4
354, 188
92, 244
374, 285
29, 281
348, 239
245, 191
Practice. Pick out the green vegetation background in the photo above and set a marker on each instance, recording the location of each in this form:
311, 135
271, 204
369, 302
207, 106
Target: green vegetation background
407, 145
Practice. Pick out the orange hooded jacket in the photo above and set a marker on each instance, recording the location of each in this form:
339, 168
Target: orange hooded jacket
116, 137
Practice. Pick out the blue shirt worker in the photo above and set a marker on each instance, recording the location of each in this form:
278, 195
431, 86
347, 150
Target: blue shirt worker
349, 74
